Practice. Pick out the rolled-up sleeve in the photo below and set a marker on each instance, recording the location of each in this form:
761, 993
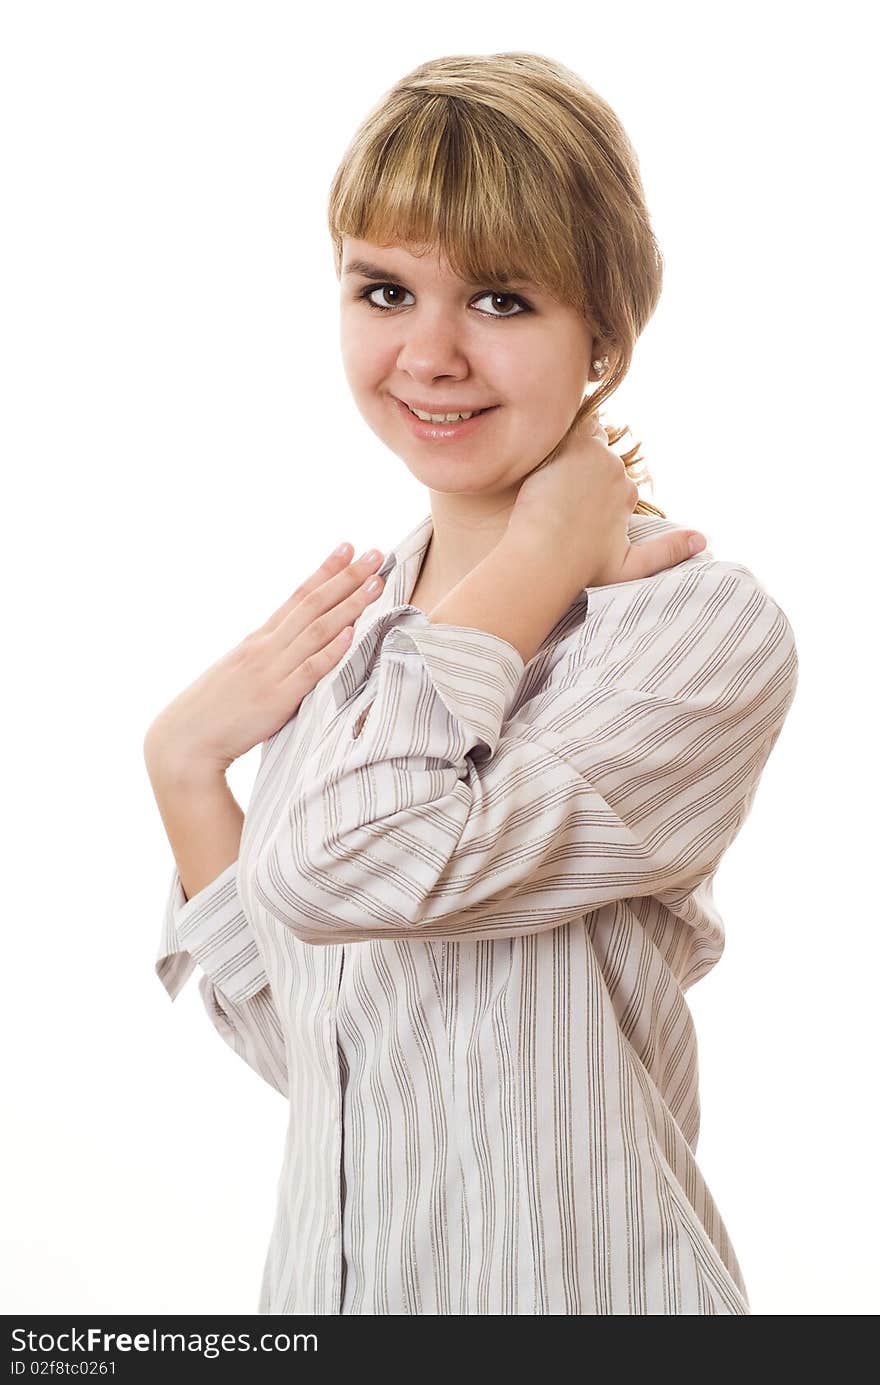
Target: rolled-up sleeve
211, 931
470, 676
446, 818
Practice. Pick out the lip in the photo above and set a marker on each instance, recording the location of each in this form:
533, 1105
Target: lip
441, 432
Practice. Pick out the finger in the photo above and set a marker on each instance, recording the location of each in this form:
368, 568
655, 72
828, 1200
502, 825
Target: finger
646, 559
317, 621
334, 563
337, 574
308, 672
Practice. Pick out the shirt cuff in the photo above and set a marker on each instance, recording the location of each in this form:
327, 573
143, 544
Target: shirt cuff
443, 689
210, 930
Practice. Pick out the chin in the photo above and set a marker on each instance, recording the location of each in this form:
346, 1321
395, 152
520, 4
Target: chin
450, 477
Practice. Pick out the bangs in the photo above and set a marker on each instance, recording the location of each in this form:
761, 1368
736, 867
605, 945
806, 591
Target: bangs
450, 179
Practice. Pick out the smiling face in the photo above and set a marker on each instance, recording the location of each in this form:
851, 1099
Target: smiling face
411, 330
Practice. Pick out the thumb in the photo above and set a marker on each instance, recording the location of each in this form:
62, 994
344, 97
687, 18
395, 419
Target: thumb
646, 559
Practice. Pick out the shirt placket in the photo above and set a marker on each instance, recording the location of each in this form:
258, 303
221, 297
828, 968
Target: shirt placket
335, 1288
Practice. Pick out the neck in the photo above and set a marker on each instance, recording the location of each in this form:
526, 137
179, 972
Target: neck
465, 531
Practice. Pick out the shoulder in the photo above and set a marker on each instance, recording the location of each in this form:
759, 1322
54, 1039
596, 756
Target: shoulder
703, 618
697, 580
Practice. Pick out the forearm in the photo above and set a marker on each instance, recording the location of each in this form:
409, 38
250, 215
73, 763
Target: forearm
202, 820
518, 591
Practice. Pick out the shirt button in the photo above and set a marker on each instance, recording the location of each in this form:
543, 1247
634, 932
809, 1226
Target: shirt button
333, 1222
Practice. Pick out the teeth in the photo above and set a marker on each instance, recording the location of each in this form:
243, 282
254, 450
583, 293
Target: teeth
442, 418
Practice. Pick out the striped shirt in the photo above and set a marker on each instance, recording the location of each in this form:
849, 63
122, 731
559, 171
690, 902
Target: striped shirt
470, 896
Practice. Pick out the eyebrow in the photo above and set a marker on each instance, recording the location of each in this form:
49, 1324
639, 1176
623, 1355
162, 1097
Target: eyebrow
367, 270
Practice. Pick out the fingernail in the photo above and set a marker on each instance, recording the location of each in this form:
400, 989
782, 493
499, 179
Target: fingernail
370, 556
342, 549
696, 542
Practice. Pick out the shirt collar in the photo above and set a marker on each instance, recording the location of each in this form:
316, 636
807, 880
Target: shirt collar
399, 570
412, 547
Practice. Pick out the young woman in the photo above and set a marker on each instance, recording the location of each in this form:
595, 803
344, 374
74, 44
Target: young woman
456, 925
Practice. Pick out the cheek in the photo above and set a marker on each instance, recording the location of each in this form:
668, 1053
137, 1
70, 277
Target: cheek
534, 372
550, 370
364, 358
356, 340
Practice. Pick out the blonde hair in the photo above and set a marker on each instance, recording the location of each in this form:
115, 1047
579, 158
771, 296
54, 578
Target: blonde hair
516, 169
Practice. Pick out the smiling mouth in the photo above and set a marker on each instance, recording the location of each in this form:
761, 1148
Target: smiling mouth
441, 413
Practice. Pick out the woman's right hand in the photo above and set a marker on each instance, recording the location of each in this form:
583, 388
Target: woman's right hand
577, 505
252, 691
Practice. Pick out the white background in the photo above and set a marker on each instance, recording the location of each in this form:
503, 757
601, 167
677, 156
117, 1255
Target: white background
180, 449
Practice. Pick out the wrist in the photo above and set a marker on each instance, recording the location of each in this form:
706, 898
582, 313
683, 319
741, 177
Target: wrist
541, 553
172, 767
540, 541
517, 592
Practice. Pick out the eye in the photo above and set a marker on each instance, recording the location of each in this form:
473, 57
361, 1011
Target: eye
367, 295
380, 288
511, 298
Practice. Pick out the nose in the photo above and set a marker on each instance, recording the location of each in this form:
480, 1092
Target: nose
433, 343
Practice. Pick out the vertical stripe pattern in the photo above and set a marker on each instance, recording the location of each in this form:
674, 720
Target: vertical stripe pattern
470, 898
